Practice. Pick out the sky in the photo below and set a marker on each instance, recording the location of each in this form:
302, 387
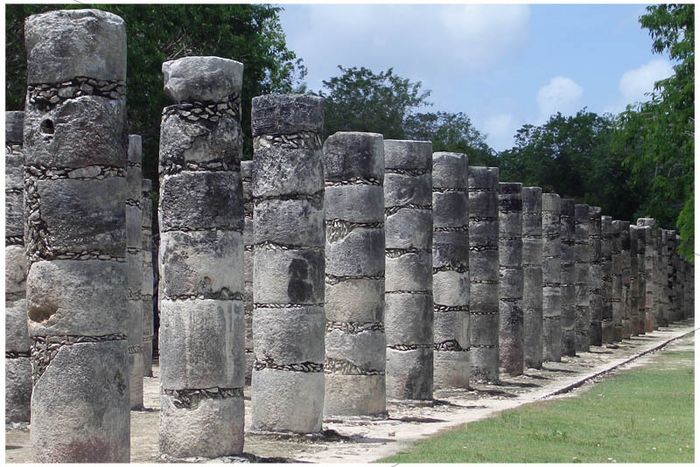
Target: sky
502, 65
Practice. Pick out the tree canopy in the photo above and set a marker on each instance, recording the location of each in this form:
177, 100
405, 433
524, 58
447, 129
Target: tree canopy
251, 34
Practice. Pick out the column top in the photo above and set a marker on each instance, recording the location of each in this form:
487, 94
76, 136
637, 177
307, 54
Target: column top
450, 170
285, 114
408, 154
353, 155
202, 78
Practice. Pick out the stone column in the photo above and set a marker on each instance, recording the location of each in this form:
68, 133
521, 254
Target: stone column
583, 277
650, 272
483, 273
596, 278
674, 279
664, 267
568, 277
633, 310
409, 269
551, 277
617, 282
147, 277
18, 369
606, 249
511, 351
354, 212
289, 266
75, 170
451, 366
247, 183
134, 272
532, 275
202, 331
626, 280
644, 234
690, 290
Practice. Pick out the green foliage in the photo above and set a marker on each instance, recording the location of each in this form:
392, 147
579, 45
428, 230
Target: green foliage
573, 156
361, 100
662, 129
641, 415
451, 132
251, 34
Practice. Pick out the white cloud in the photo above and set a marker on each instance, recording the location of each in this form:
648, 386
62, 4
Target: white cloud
561, 94
634, 84
499, 131
433, 43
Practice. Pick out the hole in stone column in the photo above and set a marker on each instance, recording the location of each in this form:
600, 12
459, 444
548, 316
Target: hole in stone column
41, 314
47, 127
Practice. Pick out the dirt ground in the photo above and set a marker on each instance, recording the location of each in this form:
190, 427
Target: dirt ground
365, 440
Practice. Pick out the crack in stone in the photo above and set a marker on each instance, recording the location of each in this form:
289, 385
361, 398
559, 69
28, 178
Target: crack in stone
398, 252
46, 96
333, 280
450, 308
354, 327
450, 345
303, 367
300, 140
355, 181
191, 398
344, 367
416, 207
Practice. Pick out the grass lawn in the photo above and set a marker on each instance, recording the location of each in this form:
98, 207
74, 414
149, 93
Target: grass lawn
643, 414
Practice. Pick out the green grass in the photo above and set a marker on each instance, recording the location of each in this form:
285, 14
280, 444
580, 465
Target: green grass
639, 415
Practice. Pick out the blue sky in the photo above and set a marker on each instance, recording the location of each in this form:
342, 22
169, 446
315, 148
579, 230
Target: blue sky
503, 65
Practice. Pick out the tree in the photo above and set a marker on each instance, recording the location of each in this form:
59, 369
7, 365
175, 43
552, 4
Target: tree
251, 34
361, 100
452, 132
662, 129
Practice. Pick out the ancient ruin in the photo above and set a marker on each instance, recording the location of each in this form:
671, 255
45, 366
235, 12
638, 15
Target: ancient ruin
288, 266
483, 273
451, 367
77, 276
532, 276
247, 183
551, 278
583, 276
596, 278
606, 254
568, 277
147, 275
408, 314
511, 343
354, 216
202, 331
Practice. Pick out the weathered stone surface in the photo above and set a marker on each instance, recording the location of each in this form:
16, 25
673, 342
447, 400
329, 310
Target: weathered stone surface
217, 416
16, 331
532, 276
483, 272
632, 326
606, 248
201, 214
90, 385
247, 182
210, 79
14, 127
617, 287
289, 264
201, 264
85, 298
568, 277
596, 278
214, 201
18, 389
147, 270
551, 278
355, 252
510, 284
15, 272
583, 277
625, 245
286, 114
409, 301
291, 402
197, 331
64, 44
88, 133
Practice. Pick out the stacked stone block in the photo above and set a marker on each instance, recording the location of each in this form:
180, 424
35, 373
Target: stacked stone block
483, 273
643, 233
664, 271
354, 217
247, 183
532, 276
596, 278
627, 283
583, 277
75, 170
606, 250
134, 272
634, 291
288, 266
409, 269
147, 277
202, 361
450, 270
551, 277
618, 267
511, 342
674, 279
18, 369
568, 277
651, 301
